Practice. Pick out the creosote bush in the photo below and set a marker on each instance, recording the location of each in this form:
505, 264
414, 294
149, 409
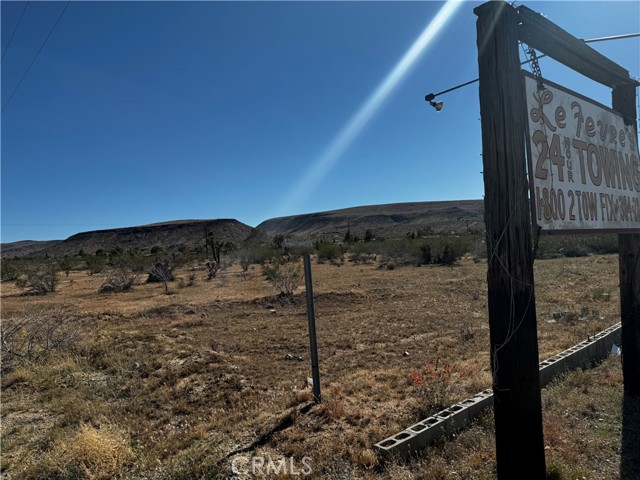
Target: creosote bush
285, 274
118, 279
327, 251
39, 279
9, 271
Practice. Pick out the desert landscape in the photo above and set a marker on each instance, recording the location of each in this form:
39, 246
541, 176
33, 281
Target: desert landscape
196, 379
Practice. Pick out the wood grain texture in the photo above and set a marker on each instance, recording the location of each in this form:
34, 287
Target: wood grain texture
629, 268
547, 37
511, 296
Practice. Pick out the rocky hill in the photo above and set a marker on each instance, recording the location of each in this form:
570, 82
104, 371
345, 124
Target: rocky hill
166, 235
391, 220
25, 247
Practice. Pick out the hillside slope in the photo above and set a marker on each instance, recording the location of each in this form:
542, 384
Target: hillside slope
165, 235
25, 247
388, 220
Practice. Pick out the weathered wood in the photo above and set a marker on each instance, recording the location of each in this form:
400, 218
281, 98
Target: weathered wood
629, 270
547, 37
511, 296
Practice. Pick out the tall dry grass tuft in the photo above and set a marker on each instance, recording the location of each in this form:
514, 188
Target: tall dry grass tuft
92, 453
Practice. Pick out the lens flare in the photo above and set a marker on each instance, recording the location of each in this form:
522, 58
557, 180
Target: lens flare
314, 176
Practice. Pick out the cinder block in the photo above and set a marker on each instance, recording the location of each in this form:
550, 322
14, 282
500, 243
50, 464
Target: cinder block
458, 416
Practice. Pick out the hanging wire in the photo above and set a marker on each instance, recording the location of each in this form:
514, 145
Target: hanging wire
431, 96
15, 29
35, 56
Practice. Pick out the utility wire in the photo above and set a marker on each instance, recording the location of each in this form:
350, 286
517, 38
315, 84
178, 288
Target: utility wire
36, 55
15, 29
431, 96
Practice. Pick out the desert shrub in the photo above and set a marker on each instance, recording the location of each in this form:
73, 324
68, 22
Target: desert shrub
360, 257
244, 261
161, 272
190, 282
9, 270
35, 333
212, 269
551, 246
135, 261
401, 251
478, 249
278, 241
285, 274
446, 255
425, 254
65, 264
96, 263
434, 384
118, 279
327, 251
39, 279
573, 251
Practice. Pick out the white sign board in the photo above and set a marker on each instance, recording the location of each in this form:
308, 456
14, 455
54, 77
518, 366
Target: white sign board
584, 170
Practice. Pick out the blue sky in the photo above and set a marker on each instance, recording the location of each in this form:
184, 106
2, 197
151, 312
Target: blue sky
141, 112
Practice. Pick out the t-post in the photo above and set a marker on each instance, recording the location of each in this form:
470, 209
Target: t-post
315, 370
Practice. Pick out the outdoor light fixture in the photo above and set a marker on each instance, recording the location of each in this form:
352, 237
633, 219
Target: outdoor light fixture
437, 105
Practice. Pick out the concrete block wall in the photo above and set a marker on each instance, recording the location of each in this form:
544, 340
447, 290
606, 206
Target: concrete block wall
457, 417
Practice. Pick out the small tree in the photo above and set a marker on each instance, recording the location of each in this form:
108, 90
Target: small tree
215, 249
161, 272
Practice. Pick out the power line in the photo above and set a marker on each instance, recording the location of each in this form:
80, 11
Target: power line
431, 96
15, 30
36, 55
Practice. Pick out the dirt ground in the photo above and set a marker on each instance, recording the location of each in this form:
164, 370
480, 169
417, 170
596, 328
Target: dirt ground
188, 385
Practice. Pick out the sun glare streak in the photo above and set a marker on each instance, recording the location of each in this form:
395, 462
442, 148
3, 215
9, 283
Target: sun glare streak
330, 156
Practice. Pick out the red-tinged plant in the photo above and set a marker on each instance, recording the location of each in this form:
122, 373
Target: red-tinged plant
434, 384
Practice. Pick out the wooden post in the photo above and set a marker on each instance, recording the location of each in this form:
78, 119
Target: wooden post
629, 268
511, 298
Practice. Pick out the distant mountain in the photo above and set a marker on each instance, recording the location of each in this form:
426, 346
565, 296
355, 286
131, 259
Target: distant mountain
391, 220
166, 235
25, 247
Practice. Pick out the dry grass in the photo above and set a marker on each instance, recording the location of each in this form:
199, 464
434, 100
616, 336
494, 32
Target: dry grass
188, 379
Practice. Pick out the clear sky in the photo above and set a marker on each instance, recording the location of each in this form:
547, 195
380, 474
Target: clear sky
142, 112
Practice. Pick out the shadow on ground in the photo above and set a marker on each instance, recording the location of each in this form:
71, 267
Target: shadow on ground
630, 451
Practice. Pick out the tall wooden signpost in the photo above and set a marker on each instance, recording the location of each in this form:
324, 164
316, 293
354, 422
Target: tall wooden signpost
511, 297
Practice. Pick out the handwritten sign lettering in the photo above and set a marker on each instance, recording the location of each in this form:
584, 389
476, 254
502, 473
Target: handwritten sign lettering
584, 167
